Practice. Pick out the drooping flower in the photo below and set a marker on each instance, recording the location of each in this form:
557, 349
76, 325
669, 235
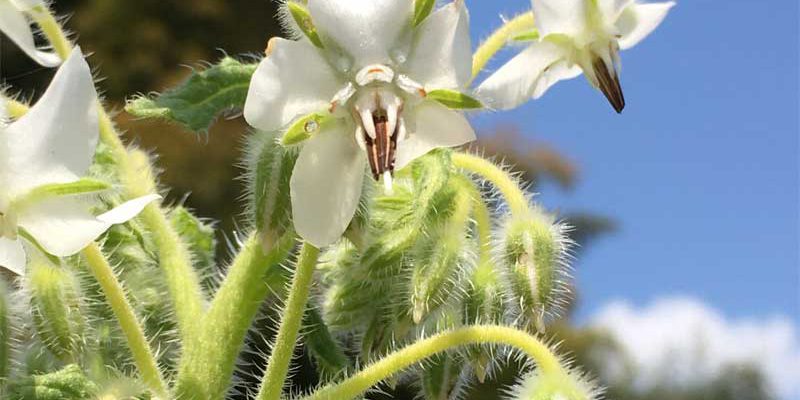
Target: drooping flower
16, 26
360, 88
43, 157
574, 36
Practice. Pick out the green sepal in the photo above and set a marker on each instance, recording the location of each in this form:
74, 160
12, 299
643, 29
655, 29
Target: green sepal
198, 101
454, 100
330, 358
303, 19
269, 170
422, 8
82, 186
439, 376
528, 36
304, 128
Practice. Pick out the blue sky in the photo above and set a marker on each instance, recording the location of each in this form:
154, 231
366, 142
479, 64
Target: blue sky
700, 170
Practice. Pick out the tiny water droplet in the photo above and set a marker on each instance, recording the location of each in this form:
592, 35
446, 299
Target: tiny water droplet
311, 126
399, 56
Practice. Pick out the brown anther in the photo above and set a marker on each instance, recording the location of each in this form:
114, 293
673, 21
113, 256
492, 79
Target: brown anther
608, 80
381, 150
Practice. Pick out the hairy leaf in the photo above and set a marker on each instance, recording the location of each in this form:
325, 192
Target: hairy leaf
201, 98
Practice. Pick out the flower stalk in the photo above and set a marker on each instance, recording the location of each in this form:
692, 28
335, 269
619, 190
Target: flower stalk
505, 183
414, 353
292, 317
131, 327
499, 39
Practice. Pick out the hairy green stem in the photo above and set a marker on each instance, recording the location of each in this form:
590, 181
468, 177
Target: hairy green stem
52, 31
416, 352
508, 186
208, 361
279, 360
115, 296
138, 179
498, 40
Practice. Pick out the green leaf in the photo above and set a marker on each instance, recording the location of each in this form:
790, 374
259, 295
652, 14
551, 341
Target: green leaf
422, 8
303, 19
69, 383
455, 100
198, 101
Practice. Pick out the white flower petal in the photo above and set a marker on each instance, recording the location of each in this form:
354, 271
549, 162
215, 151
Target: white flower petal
55, 141
441, 57
16, 26
567, 17
3, 112
432, 125
293, 80
12, 255
611, 9
127, 210
557, 72
639, 20
27, 4
326, 184
523, 77
368, 30
62, 225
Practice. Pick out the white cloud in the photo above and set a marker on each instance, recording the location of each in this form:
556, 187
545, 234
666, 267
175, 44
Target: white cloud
682, 340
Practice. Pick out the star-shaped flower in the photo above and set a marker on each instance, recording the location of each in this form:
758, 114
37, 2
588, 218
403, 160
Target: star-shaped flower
16, 26
574, 36
361, 86
43, 157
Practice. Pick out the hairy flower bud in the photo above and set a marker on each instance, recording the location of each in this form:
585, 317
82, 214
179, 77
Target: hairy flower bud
535, 252
571, 385
440, 376
440, 259
68, 383
56, 308
269, 169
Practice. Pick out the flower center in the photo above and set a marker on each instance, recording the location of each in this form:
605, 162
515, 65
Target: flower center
379, 125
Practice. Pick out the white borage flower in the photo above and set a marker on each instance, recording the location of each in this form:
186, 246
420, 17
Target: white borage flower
15, 25
574, 36
366, 86
43, 156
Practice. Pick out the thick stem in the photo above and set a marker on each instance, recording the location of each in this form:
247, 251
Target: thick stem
279, 360
499, 39
414, 353
134, 334
208, 362
508, 186
138, 179
173, 256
